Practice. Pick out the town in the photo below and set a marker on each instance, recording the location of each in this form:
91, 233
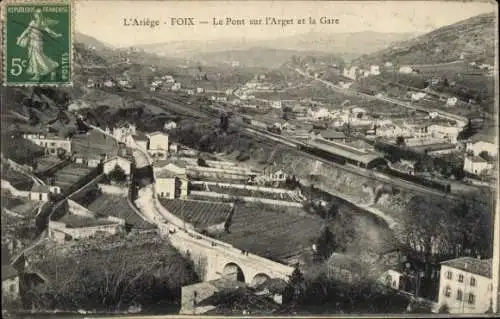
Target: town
199, 188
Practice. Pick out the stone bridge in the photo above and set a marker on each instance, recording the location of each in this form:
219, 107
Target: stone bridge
221, 260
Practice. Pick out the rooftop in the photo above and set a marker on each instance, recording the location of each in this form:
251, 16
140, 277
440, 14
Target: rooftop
169, 174
157, 133
140, 137
76, 221
329, 134
8, 272
41, 188
346, 151
434, 147
476, 266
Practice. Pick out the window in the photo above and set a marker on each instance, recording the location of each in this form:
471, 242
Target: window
472, 298
12, 288
447, 291
473, 281
388, 279
460, 278
449, 275
460, 294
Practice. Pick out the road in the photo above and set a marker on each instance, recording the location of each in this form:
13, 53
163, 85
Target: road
461, 121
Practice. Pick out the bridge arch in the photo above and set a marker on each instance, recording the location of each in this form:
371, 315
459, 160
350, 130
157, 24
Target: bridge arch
234, 272
259, 279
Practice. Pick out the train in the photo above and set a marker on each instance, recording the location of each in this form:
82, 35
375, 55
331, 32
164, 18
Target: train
329, 156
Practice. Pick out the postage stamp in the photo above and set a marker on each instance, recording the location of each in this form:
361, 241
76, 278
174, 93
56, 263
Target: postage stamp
37, 43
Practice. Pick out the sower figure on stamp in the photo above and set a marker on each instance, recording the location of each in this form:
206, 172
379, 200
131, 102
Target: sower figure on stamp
32, 38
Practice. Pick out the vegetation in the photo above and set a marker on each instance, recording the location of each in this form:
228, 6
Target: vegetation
149, 275
322, 295
117, 174
19, 149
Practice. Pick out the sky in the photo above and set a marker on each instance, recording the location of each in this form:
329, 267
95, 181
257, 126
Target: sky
104, 20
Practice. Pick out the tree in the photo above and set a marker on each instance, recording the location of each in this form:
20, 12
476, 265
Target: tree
295, 288
202, 162
400, 140
325, 245
117, 174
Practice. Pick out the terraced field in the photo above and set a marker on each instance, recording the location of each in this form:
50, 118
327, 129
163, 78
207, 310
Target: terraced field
94, 143
196, 212
271, 232
16, 179
117, 206
70, 175
240, 192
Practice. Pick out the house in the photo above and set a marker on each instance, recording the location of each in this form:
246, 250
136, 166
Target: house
176, 86
173, 148
10, 284
276, 104
219, 98
351, 73
465, 285
42, 192
94, 160
123, 83
321, 113
52, 144
170, 125
190, 91
200, 90
406, 69
333, 135
171, 185
433, 115
417, 96
110, 164
476, 165
374, 70
78, 222
358, 112
449, 133
141, 140
451, 101
388, 64
158, 144
477, 147
168, 79
109, 83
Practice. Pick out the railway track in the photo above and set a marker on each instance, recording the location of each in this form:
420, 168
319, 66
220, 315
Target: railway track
180, 105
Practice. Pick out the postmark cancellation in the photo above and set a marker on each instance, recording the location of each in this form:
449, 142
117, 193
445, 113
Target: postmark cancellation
37, 43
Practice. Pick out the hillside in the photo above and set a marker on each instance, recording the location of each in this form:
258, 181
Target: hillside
254, 57
345, 45
473, 37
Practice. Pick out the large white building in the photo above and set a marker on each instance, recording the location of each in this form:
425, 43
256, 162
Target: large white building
158, 143
170, 179
465, 285
475, 148
51, 143
476, 165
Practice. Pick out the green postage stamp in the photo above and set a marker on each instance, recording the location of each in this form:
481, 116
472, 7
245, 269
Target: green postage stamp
37, 48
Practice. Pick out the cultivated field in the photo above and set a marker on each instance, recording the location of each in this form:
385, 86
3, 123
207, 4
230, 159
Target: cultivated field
94, 143
70, 175
272, 232
117, 206
240, 192
46, 162
196, 212
16, 179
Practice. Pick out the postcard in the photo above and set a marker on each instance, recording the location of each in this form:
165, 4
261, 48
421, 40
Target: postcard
249, 158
